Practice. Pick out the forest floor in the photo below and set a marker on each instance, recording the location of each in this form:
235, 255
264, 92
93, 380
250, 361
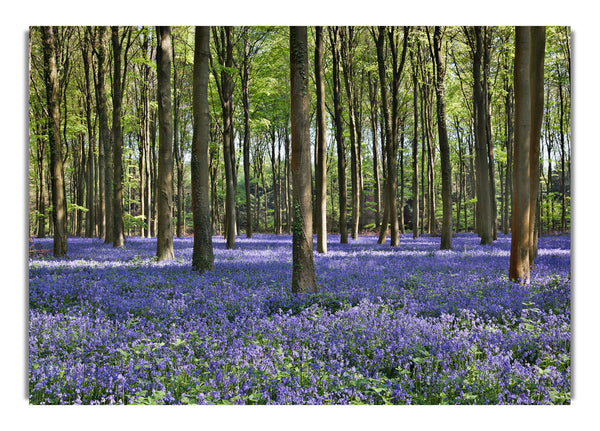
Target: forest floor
404, 325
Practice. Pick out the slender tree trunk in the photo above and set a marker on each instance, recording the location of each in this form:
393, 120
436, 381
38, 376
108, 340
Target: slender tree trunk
303, 273
90, 224
377, 188
321, 146
446, 240
225, 54
105, 144
59, 204
202, 257
339, 135
164, 243
481, 149
117, 96
536, 70
246, 106
346, 39
415, 157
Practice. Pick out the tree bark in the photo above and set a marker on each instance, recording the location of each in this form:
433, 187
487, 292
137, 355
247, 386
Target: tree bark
164, 243
59, 204
202, 257
246, 106
446, 240
225, 87
117, 96
536, 79
303, 273
481, 148
339, 135
321, 146
415, 158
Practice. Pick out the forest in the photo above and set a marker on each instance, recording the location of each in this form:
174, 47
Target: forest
299, 215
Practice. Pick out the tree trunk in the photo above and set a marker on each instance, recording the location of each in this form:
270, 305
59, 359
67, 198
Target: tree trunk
303, 273
415, 157
117, 96
225, 86
377, 187
346, 40
481, 148
202, 257
59, 204
246, 106
105, 145
321, 146
164, 243
90, 224
536, 79
529, 101
446, 240
339, 135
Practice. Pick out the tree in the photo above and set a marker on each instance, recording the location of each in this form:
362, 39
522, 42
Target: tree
202, 257
481, 148
224, 80
164, 241
529, 53
303, 272
446, 240
119, 76
321, 146
59, 204
334, 35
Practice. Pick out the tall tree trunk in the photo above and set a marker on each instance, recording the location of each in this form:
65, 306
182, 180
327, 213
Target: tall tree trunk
446, 240
563, 184
59, 204
224, 42
481, 148
339, 135
246, 106
105, 154
519, 270
90, 224
415, 157
303, 273
536, 79
164, 243
377, 186
321, 146
117, 133
202, 257
346, 41
177, 146
529, 104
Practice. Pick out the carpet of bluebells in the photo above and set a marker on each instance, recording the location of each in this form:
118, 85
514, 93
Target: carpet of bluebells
404, 325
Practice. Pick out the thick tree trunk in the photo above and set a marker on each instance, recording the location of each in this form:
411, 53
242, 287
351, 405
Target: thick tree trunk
529, 100
303, 273
164, 243
446, 240
202, 257
59, 204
